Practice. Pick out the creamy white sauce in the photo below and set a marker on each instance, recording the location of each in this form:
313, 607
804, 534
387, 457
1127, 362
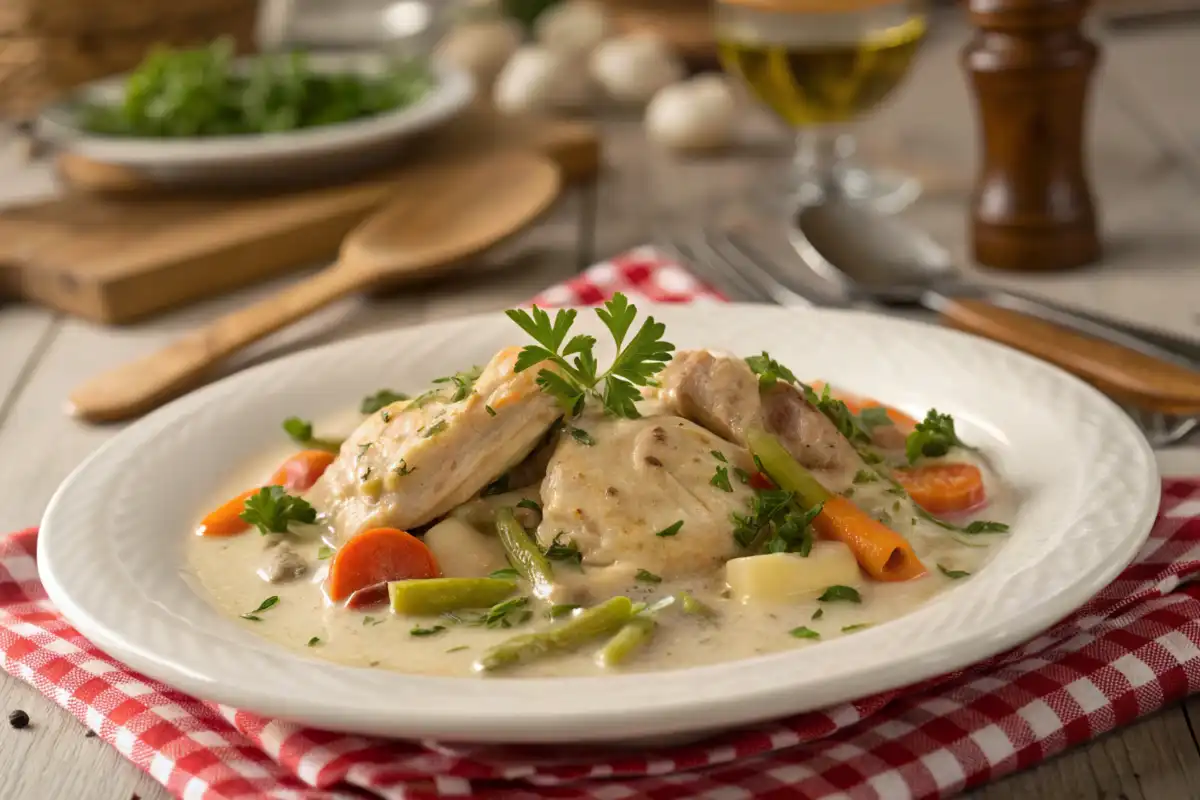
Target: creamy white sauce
227, 571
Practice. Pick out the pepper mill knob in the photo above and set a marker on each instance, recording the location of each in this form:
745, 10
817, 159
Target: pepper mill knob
1031, 67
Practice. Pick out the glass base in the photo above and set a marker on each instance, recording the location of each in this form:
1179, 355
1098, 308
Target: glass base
885, 191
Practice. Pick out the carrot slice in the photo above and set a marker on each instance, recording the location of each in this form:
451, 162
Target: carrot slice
884, 554
944, 488
857, 403
225, 520
375, 556
301, 471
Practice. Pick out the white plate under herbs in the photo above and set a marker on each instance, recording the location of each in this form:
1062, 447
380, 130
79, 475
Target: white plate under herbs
327, 151
112, 541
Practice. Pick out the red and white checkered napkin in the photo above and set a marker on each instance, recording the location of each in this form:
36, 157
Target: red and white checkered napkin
1130, 651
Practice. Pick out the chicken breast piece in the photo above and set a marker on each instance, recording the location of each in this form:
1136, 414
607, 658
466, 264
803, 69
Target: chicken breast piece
639, 478
721, 393
413, 461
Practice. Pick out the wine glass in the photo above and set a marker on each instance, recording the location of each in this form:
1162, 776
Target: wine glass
820, 65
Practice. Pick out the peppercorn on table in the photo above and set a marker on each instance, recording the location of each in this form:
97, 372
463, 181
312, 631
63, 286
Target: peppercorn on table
1149, 198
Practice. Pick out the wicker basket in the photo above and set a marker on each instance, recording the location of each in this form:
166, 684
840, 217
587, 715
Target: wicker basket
49, 46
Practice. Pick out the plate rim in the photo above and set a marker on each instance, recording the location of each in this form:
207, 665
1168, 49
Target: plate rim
604, 724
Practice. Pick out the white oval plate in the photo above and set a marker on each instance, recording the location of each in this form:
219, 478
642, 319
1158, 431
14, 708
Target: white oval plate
111, 546
315, 152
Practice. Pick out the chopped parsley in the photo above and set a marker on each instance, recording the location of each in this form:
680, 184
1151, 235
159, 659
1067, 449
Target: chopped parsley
742, 475
932, 437
270, 602
434, 429
857, 627
433, 631
314, 641
769, 371
719, 456
491, 411
645, 576
300, 431
581, 436
532, 505
820, 612
380, 400
840, 594
720, 479
846, 422
671, 529
775, 524
458, 649
324, 552
506, 614
971, 528
463, 382
564, 551
875, 417
953, 574
403, 468
865, 476
370, 622
804, 633
507, 574
577, 373
272, 509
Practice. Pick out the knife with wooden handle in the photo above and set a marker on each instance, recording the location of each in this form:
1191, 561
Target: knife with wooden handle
1127, 375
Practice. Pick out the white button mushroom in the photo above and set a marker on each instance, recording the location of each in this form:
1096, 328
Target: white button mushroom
698, 114
573, 28
482, 48
538, 79
632, 68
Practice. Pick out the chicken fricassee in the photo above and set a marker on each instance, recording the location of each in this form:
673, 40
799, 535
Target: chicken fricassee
539, 516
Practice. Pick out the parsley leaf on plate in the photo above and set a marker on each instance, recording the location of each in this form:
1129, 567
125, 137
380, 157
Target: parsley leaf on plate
381, 399
804, 633
769, 371
932, 437
840, 593
271, 509
639, 357
300, 431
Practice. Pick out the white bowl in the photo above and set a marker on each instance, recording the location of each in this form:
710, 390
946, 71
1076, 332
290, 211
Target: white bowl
311, 154
112, 541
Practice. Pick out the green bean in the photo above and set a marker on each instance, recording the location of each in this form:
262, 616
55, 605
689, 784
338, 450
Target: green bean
570, 634
620, 647
523, 552
429, 596
691, 605
785, 470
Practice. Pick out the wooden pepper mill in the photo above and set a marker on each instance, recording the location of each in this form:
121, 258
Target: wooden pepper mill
1031, 66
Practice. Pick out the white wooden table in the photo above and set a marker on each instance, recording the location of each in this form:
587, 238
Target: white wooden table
1151, 217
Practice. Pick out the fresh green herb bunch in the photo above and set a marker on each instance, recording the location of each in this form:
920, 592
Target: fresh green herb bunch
199, 93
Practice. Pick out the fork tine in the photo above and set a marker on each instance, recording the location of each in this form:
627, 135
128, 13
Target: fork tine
749, 264
702, 261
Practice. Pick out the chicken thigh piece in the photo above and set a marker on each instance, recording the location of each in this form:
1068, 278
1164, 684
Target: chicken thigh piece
655, 493
721, 393
415, 460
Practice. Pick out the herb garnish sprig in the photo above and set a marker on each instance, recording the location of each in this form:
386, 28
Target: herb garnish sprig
932, 437
578, 376
272, 509
300, 431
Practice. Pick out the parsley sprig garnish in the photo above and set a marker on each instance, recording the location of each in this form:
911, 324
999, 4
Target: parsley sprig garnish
381, 399
272, 509
932, 437
578, 376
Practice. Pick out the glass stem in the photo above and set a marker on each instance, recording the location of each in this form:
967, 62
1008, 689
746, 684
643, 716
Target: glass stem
816, 163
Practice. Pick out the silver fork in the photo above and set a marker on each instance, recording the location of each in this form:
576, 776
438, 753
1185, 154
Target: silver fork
743, 273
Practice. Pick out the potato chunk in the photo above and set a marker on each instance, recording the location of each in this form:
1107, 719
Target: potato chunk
787, 577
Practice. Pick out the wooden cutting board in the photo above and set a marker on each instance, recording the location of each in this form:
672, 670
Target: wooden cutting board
115, 249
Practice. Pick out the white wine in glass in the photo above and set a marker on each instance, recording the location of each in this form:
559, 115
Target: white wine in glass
820, 65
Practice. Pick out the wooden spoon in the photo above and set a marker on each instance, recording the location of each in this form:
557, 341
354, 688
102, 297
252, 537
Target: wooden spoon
440, 214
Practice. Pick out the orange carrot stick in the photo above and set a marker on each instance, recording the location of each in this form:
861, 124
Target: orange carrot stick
882, 553
301, 471
225, 520
375, 556
944, 488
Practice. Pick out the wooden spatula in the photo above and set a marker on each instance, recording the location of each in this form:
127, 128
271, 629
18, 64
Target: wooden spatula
440, 214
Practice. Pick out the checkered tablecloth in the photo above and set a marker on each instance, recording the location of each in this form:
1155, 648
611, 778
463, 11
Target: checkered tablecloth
1131, 650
